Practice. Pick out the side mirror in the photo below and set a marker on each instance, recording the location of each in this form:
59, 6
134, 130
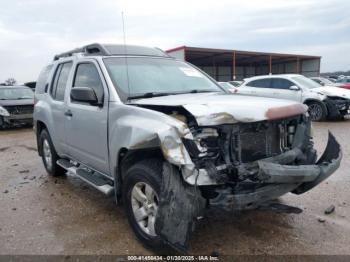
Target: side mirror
84, 94
295, 88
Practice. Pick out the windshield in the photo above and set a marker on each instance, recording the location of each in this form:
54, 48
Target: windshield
13, 93
153, 75
305, 82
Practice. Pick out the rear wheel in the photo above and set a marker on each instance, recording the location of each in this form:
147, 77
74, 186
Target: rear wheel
317, 111
141, 189
49, 155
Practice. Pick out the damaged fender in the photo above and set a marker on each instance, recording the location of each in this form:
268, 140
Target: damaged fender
179, 206
138, 128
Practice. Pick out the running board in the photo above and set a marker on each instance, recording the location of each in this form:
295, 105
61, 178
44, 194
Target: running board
93, 178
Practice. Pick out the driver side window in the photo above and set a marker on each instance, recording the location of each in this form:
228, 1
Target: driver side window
87, 76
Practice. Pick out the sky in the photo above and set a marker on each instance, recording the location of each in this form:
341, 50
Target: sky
33, 31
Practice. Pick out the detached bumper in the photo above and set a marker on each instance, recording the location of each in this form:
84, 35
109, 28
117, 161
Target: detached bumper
276, 179
327, 164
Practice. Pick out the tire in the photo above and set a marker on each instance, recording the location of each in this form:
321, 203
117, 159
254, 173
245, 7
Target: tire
145, 175
317, 111
49, 155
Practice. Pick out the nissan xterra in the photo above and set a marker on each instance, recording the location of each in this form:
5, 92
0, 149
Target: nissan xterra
168, 141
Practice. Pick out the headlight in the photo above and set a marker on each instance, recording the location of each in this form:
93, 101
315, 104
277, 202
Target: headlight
4, 112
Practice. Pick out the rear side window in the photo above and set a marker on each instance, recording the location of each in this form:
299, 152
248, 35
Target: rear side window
60, 81
87, 76
280, 83
260, 83
43, 80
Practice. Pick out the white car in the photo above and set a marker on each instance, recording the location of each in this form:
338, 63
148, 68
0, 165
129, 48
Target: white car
323, 101
323, 81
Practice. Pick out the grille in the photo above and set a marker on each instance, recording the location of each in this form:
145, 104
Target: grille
19, 110
260, 144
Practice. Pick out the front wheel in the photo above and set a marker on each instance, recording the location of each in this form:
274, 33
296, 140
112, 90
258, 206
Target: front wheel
317, 111
141, 190
49, 155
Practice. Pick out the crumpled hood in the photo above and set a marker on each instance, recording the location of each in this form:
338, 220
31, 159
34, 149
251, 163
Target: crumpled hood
19, 102
213, 108
332, 91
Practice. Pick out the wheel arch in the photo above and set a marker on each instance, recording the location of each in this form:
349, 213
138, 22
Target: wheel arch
128, 157
312, 100
322, 103
39, 127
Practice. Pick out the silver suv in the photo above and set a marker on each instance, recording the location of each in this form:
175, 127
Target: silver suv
168, 141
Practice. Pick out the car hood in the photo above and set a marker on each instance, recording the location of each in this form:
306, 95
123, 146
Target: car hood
214, 108
332, 91
19, 102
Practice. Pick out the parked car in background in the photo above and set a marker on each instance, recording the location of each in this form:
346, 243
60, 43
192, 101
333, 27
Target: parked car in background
323, 81
333, 78
16, 106
343, 83
236, 83
31, 85
323, 101
169, 141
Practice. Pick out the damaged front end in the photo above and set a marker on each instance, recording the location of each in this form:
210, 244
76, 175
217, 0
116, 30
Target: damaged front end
233, 157
243, 166
337, 107
248, 164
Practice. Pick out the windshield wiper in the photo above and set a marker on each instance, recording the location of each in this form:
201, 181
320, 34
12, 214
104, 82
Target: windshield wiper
150, 95
202, 91
194, 91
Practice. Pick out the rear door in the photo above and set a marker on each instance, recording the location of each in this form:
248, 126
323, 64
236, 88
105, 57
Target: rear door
57, 93
86, 124
281, 89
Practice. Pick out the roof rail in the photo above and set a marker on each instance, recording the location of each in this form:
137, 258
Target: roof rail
107, 50
95, 48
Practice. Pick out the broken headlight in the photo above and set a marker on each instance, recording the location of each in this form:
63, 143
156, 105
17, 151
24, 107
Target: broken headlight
204, 143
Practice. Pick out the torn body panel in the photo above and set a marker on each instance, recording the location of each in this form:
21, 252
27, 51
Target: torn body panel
337, 107
179, 206
136, 128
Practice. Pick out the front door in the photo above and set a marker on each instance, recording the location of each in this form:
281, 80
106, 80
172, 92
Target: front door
86, 124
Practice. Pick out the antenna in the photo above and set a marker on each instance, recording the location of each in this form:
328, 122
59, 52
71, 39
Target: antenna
126, 57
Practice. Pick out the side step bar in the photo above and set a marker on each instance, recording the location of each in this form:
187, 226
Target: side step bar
93, 178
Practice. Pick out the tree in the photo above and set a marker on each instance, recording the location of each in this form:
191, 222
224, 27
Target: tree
10, 81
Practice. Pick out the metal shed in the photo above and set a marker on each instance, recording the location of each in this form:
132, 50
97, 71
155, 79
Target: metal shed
226, 65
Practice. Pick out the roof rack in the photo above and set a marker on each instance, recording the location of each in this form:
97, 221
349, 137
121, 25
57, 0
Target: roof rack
109, 50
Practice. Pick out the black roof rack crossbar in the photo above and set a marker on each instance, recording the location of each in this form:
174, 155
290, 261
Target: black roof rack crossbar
108, 50
96, 48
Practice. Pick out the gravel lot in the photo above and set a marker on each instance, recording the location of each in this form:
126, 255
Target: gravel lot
46, 215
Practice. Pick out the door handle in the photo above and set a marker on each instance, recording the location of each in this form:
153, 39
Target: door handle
68, 113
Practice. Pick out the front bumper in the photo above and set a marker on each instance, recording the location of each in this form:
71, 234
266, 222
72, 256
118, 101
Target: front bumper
337, 107
16, 120
275, 178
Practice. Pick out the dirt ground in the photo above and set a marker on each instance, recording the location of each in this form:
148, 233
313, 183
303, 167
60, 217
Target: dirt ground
45, 215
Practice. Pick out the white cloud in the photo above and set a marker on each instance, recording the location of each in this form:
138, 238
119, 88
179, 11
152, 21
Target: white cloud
32, 32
